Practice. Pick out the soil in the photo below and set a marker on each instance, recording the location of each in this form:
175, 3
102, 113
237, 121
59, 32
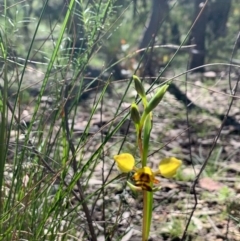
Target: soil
188, 135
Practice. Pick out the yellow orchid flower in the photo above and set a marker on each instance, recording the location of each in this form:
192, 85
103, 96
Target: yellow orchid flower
168, 166
144, 178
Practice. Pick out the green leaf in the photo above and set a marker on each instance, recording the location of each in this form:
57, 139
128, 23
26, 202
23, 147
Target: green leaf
146, 137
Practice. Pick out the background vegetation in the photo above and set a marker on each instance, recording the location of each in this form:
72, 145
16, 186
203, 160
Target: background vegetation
66, 88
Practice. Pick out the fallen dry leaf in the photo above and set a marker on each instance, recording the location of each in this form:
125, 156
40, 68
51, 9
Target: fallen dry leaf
209, 184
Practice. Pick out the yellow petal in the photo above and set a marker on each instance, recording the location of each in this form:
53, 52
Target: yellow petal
168, 166
125, 162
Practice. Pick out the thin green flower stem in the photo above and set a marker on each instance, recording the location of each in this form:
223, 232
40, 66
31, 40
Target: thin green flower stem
144, 101
147, 214
143, 118
147, 196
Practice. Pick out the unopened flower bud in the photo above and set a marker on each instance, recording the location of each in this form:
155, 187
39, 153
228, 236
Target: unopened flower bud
138, 86
156, 98
135, 116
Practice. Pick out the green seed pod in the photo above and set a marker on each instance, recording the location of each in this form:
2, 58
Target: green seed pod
135, 116
138, 86
156, 98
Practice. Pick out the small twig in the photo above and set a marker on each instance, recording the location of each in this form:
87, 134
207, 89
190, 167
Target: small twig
231, 60
213, 225
103, 181
196, 180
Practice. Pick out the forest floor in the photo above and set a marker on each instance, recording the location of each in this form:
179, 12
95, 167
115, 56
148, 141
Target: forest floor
217, 214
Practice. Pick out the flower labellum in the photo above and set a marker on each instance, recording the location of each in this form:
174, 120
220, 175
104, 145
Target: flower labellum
144, 178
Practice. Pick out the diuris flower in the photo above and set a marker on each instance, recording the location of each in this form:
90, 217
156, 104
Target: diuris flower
145, 177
